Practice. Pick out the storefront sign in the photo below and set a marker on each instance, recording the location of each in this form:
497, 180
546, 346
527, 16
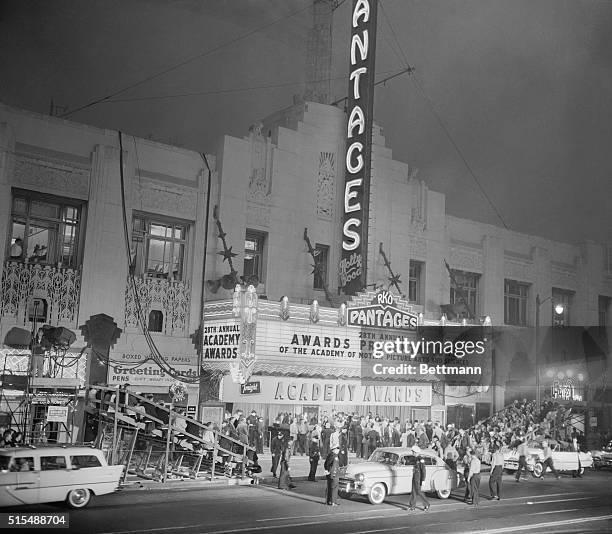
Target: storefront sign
57, 414
220, 340
382, 313
360, 104
280, 390
141, 369
565, 390
250, 388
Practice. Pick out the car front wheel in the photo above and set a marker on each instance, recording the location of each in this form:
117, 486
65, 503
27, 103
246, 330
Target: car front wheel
377, 493
538, 470
78, 498
443, 494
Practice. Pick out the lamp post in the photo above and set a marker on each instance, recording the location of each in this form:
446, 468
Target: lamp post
559, 311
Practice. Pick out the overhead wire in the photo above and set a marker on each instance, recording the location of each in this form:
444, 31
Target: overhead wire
184, 62
442, 124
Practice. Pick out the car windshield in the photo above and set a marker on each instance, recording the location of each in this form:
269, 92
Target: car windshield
384, 457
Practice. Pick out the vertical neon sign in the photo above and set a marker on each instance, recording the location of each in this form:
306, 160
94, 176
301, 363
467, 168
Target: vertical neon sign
360, 105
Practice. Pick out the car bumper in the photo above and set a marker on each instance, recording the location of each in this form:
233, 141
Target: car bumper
352, 486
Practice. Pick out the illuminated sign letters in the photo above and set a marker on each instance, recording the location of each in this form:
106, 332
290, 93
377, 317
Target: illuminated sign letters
353, 262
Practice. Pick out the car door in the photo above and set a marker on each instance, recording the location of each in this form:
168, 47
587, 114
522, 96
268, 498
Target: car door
431, 468
54, 477
403, 474
22, 480
564, 460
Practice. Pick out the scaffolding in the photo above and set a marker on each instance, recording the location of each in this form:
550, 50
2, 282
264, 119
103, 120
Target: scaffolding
156, 442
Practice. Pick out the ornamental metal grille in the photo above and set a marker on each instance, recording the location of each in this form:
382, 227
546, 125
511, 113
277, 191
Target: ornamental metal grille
171, 297
59, 288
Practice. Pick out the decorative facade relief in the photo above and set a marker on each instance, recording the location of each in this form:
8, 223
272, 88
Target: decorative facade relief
326, 185
466, 259
171, 297
60, 178
260, 179
155, 197
418, 193
60, 290
517, 270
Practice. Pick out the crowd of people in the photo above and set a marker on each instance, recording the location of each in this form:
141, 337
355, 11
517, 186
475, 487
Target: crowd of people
9, 437
487, 442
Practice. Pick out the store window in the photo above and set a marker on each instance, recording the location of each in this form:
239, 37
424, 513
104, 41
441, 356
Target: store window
516, 296
45, 229
415, 281
254, 263
466, 290
564, 298
158, 247
322, 259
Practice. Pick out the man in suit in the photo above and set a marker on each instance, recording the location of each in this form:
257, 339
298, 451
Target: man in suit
332, 473
473, 478
418, 477
313, 455
284, 478
276, 449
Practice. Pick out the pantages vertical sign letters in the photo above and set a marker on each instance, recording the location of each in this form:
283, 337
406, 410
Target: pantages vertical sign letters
353, 263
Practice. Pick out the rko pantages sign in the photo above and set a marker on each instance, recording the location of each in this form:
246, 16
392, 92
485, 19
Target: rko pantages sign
382, 313
360, 104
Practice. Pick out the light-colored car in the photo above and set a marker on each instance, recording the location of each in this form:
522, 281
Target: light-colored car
602, 458
388, 471
49, 474
564, 459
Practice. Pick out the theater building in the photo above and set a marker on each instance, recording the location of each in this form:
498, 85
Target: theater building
61, 194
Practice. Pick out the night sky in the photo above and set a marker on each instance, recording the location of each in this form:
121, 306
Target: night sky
523, 88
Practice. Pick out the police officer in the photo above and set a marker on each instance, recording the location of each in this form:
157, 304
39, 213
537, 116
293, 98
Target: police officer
418, 476
332, 472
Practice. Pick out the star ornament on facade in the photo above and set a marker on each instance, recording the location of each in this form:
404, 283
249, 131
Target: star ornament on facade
227, 254
395, 279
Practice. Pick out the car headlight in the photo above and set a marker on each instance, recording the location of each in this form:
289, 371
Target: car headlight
359, 477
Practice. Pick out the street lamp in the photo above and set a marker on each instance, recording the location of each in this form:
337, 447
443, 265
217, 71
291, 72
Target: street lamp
559, 309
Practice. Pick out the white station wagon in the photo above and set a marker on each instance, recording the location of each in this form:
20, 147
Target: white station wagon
49, 474
388, 471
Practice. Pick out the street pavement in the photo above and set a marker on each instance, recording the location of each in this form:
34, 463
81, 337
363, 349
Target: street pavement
547, 505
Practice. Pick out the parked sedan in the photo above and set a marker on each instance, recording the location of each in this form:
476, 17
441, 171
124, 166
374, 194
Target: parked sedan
388, 471
602, 458
564, 458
